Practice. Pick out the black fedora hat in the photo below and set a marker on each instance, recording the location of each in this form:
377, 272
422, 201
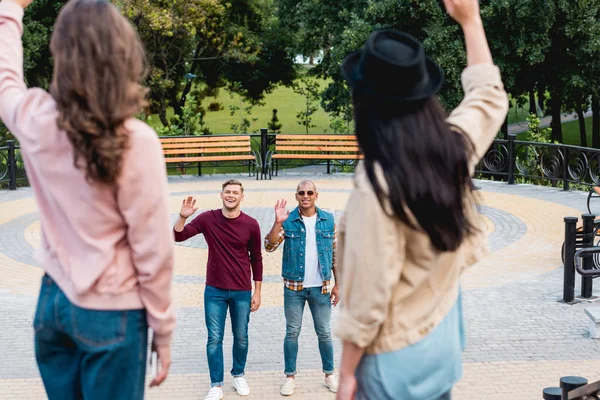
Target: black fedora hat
392, 65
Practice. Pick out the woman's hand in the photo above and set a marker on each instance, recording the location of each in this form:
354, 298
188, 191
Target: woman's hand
347, 387
464, 12
20, 3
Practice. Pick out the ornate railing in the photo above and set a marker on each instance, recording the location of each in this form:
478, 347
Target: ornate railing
12, 168
507, 159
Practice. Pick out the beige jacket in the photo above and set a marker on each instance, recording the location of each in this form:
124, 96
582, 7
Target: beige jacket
395, 286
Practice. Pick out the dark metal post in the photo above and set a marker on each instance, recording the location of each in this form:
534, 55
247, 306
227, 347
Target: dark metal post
12, 165
264, 149
566, 169
588, 262
512, 158
568, 383
569, 272
552, 393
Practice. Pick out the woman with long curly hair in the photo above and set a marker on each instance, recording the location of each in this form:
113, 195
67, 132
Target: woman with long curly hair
410, 225
99, 179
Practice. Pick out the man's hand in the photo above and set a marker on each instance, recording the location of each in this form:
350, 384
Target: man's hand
281, 213
335, 297
164, 358
255, 303
188, 207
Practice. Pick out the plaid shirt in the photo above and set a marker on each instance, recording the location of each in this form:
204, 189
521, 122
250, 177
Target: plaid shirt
298, 285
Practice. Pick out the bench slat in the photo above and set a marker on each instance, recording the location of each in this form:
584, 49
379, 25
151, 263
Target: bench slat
205, 139
318, 148
318, 137
317, 142
209, 150
210, 144
319, 156
210, 158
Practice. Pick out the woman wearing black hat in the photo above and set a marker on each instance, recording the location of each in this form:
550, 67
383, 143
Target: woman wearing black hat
410, 225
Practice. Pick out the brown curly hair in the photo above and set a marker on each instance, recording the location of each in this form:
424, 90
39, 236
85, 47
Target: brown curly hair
99, 64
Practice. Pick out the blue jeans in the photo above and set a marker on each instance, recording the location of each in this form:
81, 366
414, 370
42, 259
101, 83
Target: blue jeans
89, 354
216, 302
320, 308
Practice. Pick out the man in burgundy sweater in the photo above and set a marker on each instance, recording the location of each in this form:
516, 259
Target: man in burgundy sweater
234, 258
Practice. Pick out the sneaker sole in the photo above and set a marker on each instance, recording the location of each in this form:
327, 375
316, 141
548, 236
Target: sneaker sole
239, 394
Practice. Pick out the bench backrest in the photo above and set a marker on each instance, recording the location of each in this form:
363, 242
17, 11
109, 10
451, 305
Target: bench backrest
325, 144
208, 145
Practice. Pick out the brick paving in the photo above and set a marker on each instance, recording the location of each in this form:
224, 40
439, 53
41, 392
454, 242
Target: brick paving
520, 338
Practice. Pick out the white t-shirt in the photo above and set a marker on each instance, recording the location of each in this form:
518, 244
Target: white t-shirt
312, 272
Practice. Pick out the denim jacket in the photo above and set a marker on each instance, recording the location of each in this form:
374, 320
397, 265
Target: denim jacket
294, 247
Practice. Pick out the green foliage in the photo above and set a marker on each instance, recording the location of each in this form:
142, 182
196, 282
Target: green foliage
310, 90
274, 126
537, 133
245, 112
338, 125
213, 42
4, 134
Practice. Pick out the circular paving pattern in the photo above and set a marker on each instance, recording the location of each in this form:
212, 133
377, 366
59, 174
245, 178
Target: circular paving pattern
515, 324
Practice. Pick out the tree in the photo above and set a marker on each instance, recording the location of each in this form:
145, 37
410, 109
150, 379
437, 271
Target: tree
527, 23
424, 19
274, 125
309, 89
211, 42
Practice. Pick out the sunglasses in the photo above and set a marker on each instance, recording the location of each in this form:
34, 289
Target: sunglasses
302, 193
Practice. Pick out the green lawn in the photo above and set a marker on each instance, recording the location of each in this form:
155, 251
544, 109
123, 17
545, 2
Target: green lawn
288, 104
570, 133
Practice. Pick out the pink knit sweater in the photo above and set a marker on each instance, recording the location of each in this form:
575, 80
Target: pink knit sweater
106, 248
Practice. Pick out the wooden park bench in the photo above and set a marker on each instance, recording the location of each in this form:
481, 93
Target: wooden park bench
312, 147
212, 149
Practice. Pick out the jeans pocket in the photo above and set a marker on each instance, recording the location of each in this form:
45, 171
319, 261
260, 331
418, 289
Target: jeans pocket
98, 328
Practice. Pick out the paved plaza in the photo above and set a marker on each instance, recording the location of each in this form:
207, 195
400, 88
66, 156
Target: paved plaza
520, 337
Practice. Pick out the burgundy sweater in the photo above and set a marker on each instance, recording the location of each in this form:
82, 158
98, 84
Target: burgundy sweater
234, 248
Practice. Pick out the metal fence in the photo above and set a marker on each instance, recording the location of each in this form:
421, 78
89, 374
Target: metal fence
505, 160
556, 163
12, 168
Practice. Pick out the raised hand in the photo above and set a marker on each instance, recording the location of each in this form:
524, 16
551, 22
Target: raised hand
22, 3
281, 213
463, 11
188, 207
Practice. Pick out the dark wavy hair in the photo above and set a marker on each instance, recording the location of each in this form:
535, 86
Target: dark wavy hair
99, 64
424, 162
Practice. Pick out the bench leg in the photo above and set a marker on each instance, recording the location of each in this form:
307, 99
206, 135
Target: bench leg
199, 169
328, 167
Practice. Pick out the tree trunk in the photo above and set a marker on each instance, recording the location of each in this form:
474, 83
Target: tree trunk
582, 132
177, 106
504, 129
188, 84
532, 107
555, 104
162, 112
542, 100
596, 121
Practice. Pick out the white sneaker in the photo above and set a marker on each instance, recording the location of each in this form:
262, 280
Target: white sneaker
215, 393
241, 386
288, 387
332, 383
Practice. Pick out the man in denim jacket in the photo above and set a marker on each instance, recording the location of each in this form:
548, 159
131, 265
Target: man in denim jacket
309, 236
